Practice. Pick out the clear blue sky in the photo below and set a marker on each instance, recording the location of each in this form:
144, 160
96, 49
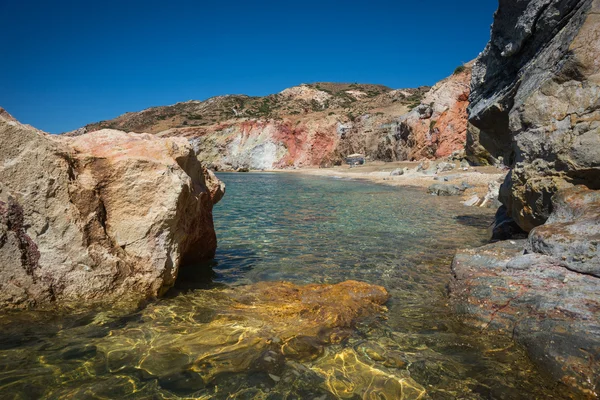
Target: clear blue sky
68, 63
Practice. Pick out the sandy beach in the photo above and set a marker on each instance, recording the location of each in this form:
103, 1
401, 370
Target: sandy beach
478, 180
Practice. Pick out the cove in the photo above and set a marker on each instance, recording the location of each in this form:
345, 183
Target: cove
214, 336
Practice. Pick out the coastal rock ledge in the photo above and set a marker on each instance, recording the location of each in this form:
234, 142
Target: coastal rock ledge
99, 217
543, 291
535, 105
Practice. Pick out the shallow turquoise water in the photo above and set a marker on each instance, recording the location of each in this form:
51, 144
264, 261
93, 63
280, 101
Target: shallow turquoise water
274, 227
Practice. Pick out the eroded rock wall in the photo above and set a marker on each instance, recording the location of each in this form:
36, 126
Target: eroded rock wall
434, 129
535, 102
535, 106
106, 215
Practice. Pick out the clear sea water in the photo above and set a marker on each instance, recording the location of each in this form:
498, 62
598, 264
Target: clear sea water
286, 227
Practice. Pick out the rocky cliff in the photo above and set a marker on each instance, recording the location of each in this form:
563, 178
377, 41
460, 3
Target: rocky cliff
314, 124
97, 217
535, 105
536, 100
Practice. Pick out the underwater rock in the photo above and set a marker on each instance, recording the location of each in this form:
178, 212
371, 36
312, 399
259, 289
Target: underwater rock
256, 329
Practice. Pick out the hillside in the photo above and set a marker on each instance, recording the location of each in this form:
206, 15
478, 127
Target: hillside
311, 124
351, 99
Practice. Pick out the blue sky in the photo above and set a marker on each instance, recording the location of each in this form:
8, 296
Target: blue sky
68, 63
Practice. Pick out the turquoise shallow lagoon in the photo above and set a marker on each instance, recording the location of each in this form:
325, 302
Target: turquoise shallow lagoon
286, 227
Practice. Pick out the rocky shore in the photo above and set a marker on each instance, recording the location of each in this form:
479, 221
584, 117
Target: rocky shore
100, 215
534, 104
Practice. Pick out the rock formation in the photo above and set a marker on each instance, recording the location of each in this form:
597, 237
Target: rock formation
314, 125
438, 126
535, 105
100, 216
535, 102
545, 296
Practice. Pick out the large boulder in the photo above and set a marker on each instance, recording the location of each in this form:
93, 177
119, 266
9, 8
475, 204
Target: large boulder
103, 216
535, 102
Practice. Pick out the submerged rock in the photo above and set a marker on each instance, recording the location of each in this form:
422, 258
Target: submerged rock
98, 217
264, 328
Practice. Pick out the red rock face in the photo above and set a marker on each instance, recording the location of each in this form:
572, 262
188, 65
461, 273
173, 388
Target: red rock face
439, 126
306, 126
306, 145
451, 127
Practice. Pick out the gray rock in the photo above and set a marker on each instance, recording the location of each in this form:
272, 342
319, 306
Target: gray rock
440, 189
473, 201
397, 172
572, 233
425, 111
444, 167
457, 155
549, 309
534, 102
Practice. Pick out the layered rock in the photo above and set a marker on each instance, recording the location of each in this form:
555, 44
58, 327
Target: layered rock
535, 102
101, 216
314, 125
544, 290
438, 126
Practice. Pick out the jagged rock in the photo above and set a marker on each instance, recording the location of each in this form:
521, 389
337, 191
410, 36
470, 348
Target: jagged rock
440, 189
534, 102
98, 217
424, 110
437, 127
397, 172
